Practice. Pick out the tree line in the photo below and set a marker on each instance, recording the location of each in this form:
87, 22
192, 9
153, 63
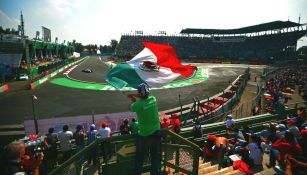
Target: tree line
92, 48
8, 31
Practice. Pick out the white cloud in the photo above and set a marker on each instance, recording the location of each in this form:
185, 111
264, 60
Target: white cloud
8, 22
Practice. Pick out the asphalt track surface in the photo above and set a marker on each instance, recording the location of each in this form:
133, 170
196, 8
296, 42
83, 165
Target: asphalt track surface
60, 101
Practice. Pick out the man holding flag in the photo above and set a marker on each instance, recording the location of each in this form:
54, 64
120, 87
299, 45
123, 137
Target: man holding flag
149, 135
155, 66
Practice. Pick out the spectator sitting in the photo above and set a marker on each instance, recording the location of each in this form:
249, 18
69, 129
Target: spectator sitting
290, 161
165, 123
208, 148
134, 128
303, 141
294, 129
104, 131
65, 137
285, 146
229, 121
14, 153
252, 153
246, 132
301, 117
197, 130
125, 128
237, 134
282, 130
175, 122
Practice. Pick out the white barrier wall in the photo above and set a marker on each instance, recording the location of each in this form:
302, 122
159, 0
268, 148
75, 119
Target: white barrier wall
114, 121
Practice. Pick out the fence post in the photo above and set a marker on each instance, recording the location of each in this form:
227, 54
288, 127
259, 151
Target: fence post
177, 157
195, 162
180, 104
246, 110
98, 158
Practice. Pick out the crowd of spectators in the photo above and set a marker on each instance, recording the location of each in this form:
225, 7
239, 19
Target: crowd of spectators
278, 89
187, 47
284, 143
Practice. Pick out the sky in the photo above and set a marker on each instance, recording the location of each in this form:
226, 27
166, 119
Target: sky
99, 21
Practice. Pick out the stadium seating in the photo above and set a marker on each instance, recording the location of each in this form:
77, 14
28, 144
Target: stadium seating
259, 47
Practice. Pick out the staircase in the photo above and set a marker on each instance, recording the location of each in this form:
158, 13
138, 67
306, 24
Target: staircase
205, 168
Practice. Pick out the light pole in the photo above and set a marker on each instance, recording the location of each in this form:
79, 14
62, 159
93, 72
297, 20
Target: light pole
34, 115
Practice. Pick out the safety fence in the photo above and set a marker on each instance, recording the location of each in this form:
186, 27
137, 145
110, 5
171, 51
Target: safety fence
249, 108
116, 155
255, 106
215, 108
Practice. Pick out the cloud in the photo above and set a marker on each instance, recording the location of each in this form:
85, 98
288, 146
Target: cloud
63, 8
8, 22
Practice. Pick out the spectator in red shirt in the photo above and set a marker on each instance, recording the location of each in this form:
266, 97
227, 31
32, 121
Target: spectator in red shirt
287, 146
165, 123
175, 122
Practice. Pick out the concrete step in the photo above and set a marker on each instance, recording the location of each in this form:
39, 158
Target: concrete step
234, 172
207, 170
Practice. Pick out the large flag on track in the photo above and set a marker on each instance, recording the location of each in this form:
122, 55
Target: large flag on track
156, 65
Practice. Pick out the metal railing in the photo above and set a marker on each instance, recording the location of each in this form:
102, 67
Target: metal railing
116, 155
222, 110
246, 109
254, 122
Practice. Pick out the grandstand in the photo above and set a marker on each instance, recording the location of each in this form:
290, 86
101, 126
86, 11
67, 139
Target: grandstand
19, 53
276, 40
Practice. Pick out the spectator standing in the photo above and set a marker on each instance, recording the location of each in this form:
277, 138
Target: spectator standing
149, 136
79, 137
65, 137
197, 130
125, 127
107, 149
134, 126
175, 122
229, 121
165, 124
91, 137
51, 156
104, 131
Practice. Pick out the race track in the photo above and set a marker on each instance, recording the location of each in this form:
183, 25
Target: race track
60, 101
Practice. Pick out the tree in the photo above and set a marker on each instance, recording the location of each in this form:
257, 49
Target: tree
113, 45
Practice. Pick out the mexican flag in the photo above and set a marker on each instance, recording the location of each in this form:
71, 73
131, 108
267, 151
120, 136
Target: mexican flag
156, 65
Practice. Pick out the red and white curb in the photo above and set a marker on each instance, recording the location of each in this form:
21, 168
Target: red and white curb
69, 70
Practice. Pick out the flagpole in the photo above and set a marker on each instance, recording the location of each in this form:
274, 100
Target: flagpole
34, 115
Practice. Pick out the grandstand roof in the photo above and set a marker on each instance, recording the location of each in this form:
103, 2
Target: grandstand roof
250, 29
